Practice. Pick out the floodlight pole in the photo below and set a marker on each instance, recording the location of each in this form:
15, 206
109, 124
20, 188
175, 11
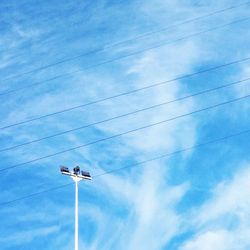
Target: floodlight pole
76, 180
77, 176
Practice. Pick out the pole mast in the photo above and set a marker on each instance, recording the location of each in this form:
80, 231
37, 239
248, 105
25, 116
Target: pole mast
76, 212
77, 175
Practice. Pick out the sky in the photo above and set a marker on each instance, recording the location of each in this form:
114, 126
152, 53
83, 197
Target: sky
150, 97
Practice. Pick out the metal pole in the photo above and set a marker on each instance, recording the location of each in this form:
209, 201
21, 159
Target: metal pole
77, 176
76, 213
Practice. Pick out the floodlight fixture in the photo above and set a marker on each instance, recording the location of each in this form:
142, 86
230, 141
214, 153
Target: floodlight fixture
77, 175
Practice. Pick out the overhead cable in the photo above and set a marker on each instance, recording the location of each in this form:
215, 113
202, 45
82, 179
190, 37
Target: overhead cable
122, 42
124, 115
180, 77
122, 133
140, 36
138, 164
68, 74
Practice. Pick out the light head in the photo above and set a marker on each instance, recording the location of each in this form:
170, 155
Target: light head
76, 172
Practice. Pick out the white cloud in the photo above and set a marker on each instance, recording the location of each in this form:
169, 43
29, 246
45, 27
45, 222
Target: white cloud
151, 220
154, 217
26, 236
219, 240
223, 221
228, 197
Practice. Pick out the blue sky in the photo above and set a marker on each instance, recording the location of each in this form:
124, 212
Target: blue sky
56, 55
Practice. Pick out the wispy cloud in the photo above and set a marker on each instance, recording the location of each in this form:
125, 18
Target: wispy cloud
151, 206
222, 221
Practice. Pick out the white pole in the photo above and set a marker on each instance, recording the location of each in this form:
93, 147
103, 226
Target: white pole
76, 214
77, 176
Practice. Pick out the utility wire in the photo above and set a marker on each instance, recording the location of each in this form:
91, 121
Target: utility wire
122, 42
175, 152
117, 58
36, 194
180, 23
180, 77
123, 133
138, 164
126, 114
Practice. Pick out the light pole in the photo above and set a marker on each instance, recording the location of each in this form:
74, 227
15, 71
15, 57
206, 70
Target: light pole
77, 175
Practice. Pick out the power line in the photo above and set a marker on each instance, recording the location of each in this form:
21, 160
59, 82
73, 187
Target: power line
196, 146
36, 194
181, 77
122, 42
180, 24
124, 115
119, 58
109, 46
176, 152
122, 133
